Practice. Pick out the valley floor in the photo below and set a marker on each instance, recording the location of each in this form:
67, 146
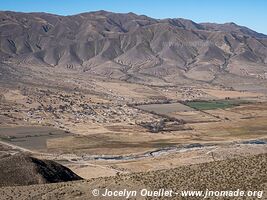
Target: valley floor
116, 133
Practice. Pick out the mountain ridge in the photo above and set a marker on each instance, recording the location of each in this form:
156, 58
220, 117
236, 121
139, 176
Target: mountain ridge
116, 45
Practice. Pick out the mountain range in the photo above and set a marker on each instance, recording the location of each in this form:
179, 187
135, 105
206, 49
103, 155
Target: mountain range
132, 47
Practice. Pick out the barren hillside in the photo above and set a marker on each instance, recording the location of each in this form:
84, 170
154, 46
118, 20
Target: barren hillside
21, 169
134, 48
246, 174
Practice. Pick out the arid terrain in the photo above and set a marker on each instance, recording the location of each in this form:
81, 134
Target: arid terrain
123, 98
242, 173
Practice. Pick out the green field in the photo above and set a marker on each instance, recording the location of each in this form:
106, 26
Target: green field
211, 105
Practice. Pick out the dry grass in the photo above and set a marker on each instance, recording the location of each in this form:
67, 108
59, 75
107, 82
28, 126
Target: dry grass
241, 173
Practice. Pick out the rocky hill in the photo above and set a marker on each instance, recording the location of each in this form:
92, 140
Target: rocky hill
21, 169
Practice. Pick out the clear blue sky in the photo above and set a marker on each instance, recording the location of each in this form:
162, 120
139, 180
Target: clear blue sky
250, 13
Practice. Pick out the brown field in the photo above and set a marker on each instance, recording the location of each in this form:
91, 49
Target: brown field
222, 94
165, 108
32, 138
194, 116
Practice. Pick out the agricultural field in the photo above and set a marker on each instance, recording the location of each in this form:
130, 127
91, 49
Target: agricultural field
216, 104
165, 108
33, 138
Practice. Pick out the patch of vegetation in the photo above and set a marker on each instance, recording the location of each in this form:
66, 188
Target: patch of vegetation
7, 138
211, 105
154, 127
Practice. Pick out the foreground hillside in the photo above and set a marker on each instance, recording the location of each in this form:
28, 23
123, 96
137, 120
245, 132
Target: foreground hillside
248, 174
21, 169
